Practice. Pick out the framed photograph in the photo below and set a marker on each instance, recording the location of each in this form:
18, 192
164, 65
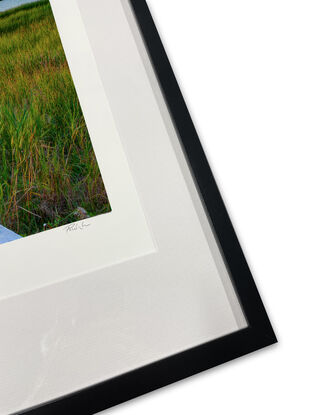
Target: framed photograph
120, 271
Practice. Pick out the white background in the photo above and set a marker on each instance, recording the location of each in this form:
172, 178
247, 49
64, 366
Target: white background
245, 70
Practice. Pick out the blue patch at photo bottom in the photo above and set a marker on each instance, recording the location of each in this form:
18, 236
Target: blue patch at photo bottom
7, 236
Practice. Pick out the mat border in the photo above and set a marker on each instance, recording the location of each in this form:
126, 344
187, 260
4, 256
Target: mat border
259, 332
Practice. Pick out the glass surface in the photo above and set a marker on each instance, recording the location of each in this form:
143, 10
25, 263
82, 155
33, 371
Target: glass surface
173, 295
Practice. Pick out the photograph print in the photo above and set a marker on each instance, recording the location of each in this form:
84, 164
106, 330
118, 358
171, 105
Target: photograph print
49, 175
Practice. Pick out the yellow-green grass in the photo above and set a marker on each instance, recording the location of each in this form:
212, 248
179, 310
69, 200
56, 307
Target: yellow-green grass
48, 167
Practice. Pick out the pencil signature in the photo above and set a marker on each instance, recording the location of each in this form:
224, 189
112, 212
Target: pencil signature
78, 226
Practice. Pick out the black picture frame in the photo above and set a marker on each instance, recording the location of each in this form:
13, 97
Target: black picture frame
259, 332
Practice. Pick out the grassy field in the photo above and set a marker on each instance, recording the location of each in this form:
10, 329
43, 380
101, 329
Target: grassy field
48, 170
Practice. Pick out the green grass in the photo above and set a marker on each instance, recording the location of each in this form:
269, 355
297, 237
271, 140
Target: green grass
48, 167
